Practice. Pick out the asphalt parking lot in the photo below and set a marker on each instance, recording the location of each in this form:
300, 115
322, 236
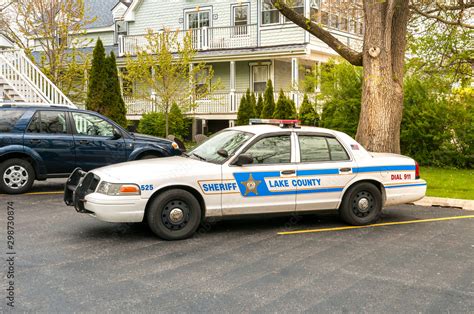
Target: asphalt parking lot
72, 262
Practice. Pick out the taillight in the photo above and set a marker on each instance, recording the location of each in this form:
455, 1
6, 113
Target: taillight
417, 171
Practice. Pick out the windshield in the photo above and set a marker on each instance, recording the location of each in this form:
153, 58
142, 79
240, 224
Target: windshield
229, 141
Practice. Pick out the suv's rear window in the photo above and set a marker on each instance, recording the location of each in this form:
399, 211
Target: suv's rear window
8, 119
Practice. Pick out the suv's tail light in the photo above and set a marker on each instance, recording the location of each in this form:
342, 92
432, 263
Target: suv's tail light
417, 170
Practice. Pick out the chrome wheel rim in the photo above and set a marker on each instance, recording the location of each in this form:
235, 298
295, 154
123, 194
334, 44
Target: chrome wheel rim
15, 177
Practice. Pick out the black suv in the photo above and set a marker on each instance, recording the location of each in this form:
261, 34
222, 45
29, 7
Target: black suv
45, 141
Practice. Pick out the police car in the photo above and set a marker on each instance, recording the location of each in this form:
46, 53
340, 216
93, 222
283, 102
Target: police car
270, 166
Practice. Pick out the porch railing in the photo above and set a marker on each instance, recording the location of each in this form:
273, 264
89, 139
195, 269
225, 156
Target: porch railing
206, 38
217, 103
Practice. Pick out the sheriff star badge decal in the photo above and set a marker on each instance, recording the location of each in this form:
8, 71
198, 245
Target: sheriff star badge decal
251, 185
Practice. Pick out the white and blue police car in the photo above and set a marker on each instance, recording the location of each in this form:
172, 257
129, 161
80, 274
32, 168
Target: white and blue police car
270, 166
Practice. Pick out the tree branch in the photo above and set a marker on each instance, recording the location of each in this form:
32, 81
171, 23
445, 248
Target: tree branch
429, 15
347, 53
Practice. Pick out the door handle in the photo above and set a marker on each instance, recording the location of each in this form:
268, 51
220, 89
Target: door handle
82, 142
36, 141
345, 169
288, 172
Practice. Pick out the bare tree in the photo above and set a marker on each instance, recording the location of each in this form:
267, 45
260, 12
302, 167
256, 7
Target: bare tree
54, 29
382, 57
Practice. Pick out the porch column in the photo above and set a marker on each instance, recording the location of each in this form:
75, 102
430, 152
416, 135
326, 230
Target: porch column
295, 80
232, 86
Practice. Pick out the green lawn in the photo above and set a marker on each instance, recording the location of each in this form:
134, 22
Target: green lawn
450, 183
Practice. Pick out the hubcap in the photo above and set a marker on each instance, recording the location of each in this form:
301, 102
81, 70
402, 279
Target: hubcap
175, 215
15, 177
363, 204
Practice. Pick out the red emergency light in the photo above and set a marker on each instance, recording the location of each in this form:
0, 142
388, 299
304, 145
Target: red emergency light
281, 123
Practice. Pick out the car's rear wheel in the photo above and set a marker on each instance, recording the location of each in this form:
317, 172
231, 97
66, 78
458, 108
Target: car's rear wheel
361, 205
16, 176
174, 215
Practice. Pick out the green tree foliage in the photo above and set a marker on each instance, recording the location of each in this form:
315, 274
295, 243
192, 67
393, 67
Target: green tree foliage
166, 66
437, 129
259, 106
97, 80
341, 85
308, 114
268, 102
285, 108
246, 109
114, 106
154, 123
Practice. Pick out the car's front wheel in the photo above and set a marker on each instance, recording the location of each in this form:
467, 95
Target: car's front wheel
16, 176
361, 205
174, 215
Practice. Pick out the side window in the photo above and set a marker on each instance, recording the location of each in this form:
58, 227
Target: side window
320, 148
8, 119
313, 148
338, 152
48, 122
91, 125
271, 150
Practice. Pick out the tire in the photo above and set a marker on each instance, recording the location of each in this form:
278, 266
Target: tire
174, 215
148, 156
361, 205
16, 176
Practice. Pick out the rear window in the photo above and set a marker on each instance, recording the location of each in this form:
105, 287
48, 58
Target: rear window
8, 119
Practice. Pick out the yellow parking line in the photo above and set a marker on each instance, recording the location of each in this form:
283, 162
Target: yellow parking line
45, 193
376, 225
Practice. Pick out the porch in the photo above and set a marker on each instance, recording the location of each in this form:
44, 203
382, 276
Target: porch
220, 105
206, 38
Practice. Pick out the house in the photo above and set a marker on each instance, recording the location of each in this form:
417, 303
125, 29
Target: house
246, 42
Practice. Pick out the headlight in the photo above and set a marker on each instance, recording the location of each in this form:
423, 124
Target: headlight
118, 189
175, 145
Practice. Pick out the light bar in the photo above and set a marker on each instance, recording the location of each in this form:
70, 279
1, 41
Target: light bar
281, 123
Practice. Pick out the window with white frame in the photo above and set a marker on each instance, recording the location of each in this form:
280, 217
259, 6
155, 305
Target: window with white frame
270, 14
121, 28
260, 75
297, 6
240, 15
198, 19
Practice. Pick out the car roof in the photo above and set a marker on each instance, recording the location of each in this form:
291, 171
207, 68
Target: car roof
18, 105
270, 128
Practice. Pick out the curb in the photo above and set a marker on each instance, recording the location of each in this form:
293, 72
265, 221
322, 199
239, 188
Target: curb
446, 202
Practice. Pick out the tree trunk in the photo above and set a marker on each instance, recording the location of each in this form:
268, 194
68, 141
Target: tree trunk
382, 88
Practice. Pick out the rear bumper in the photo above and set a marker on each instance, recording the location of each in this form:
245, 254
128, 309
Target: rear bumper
405, 193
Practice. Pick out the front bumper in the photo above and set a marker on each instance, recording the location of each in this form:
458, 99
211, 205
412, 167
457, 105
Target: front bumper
80, 193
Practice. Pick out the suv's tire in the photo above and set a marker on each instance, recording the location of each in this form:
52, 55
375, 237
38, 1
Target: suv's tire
16, 176
174, 215
361, 205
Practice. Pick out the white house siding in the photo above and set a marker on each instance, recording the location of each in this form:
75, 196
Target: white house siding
91, 38
284, 34
222, 74
242, 74
159, 14
282, 76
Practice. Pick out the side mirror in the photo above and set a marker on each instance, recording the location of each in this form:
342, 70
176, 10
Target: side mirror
223, 153
116, 135
243, 159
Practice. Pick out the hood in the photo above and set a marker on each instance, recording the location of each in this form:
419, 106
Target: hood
152, 169
148, 138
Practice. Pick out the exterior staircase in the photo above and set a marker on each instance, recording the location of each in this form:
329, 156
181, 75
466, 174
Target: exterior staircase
22, 81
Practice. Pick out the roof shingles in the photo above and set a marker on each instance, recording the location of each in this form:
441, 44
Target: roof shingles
102, 10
